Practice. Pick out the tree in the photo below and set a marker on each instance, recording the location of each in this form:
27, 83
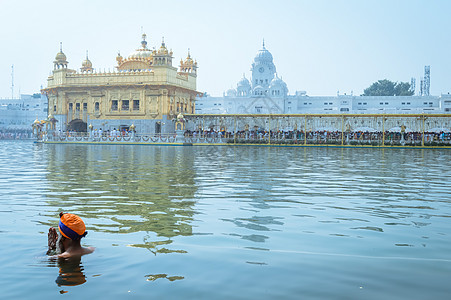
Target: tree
386, 87
403, 89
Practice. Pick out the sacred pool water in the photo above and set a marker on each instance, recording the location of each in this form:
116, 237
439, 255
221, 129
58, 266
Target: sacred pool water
224, 222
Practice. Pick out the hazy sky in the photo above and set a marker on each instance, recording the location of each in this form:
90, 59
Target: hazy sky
318, 46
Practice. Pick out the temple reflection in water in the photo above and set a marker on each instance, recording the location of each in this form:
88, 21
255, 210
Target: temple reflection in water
119, 189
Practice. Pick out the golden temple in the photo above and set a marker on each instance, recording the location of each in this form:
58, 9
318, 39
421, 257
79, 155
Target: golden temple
144, 90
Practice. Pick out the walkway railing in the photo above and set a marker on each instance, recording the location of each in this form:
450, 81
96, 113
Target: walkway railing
255, 137
345, 138
105, 137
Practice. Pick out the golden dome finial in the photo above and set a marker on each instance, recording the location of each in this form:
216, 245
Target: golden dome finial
60, 58
189, 60
86, 65
119, 58
144, 42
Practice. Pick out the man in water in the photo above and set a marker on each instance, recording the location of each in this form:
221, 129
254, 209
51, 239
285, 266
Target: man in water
72, 229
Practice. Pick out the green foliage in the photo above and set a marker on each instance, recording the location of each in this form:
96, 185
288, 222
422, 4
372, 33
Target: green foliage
386, 87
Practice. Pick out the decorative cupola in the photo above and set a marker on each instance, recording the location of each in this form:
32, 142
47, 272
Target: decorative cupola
188, 66
162, 57
60, 61
86, 65
243, 87
119, 58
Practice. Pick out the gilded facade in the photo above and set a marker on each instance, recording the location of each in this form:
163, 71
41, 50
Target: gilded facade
144, 89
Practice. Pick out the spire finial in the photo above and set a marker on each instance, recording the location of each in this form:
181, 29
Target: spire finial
189, 55
86, 54
143, 42
61, 47
263, 43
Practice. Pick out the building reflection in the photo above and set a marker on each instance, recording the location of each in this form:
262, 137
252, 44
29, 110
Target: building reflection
125, 189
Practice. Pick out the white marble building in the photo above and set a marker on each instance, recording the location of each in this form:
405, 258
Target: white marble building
20, 113
266, 93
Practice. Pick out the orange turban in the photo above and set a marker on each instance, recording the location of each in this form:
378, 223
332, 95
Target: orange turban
72, 226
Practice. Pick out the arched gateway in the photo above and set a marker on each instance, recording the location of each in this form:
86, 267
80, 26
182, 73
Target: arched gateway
77, 125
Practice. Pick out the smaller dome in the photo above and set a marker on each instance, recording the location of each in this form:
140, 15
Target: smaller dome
277, 82
86, 63
231, 93
278, 87
163, 50
244, 82
189, 60
60, 56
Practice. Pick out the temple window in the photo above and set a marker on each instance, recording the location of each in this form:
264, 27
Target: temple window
114, 104
71, 106
54, 108
96, 106
135, 104
77, 106
85, 106
125, 104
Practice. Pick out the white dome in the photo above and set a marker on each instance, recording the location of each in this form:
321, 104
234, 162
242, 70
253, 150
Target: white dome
244, 82
231, 93
263, 55
277, 82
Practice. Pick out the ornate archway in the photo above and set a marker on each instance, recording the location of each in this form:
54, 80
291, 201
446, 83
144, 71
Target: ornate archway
77, 125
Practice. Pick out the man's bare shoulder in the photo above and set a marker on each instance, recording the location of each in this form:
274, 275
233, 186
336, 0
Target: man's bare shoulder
88, 250
77, 252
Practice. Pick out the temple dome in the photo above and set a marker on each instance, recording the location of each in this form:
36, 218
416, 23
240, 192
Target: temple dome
60, 57
86, 63
263, 55
244, 82
142, 52
231, 93
277, 82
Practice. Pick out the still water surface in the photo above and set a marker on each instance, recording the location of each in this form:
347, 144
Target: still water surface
228, 222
